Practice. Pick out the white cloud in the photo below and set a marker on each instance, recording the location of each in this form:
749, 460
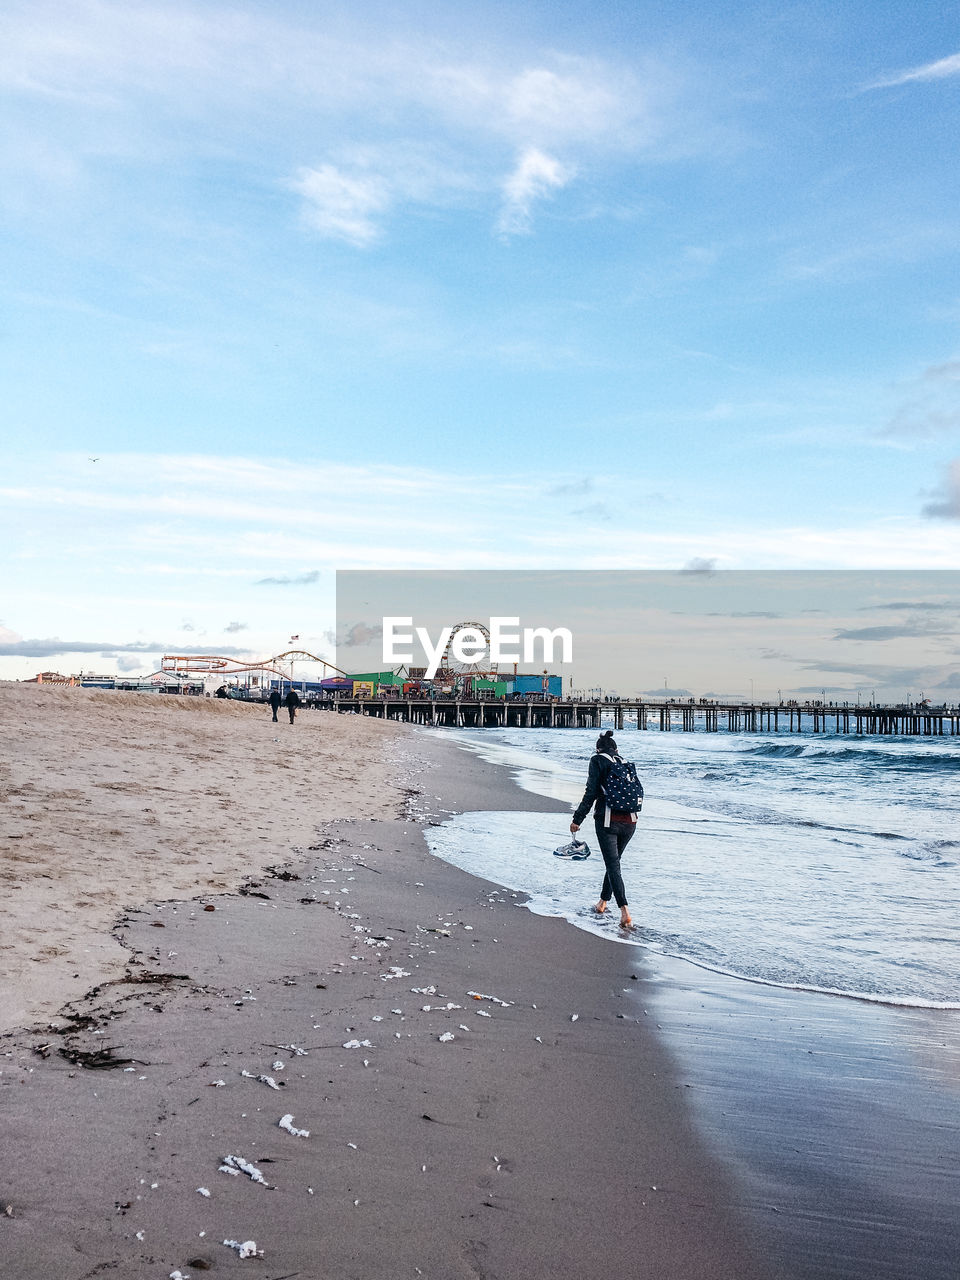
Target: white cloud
535, 176
377, 121
340, 205
200, 58
201, 62
362, 180
272, 517
938, 70
348, 200
540, 103
143, 541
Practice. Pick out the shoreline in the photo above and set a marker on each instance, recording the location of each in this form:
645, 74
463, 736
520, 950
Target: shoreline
533, 1143
839, 1116
804, 1139
543, 777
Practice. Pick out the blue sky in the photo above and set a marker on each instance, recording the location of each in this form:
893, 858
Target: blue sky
292, 287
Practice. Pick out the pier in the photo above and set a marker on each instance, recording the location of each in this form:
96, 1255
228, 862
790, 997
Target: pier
712, 717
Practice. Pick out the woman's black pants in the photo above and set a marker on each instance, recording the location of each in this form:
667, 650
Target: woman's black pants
612, 841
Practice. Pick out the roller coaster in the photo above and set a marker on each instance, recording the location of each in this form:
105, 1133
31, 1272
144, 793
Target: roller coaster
182, 664
203, 664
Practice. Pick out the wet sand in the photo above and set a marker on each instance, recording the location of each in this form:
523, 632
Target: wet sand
841, 1119
549, 1136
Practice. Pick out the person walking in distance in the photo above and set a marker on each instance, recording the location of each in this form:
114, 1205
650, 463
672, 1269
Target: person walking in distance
614, 792
275, 701
291, 702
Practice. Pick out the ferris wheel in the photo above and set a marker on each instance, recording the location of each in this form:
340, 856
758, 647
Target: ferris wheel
451, 667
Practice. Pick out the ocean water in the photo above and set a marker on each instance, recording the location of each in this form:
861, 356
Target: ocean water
827, 863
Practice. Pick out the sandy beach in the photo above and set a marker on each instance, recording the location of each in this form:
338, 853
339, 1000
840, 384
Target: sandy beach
106, 801
484, 1094
273, 1016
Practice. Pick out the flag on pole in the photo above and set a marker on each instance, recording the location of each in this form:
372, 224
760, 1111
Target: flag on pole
292, 639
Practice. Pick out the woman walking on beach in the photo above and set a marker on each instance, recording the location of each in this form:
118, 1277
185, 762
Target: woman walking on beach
611, 781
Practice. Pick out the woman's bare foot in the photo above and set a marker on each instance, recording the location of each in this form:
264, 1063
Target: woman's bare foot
600, 908
625, 921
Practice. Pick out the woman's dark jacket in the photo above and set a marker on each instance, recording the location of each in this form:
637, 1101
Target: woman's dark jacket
593, 795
